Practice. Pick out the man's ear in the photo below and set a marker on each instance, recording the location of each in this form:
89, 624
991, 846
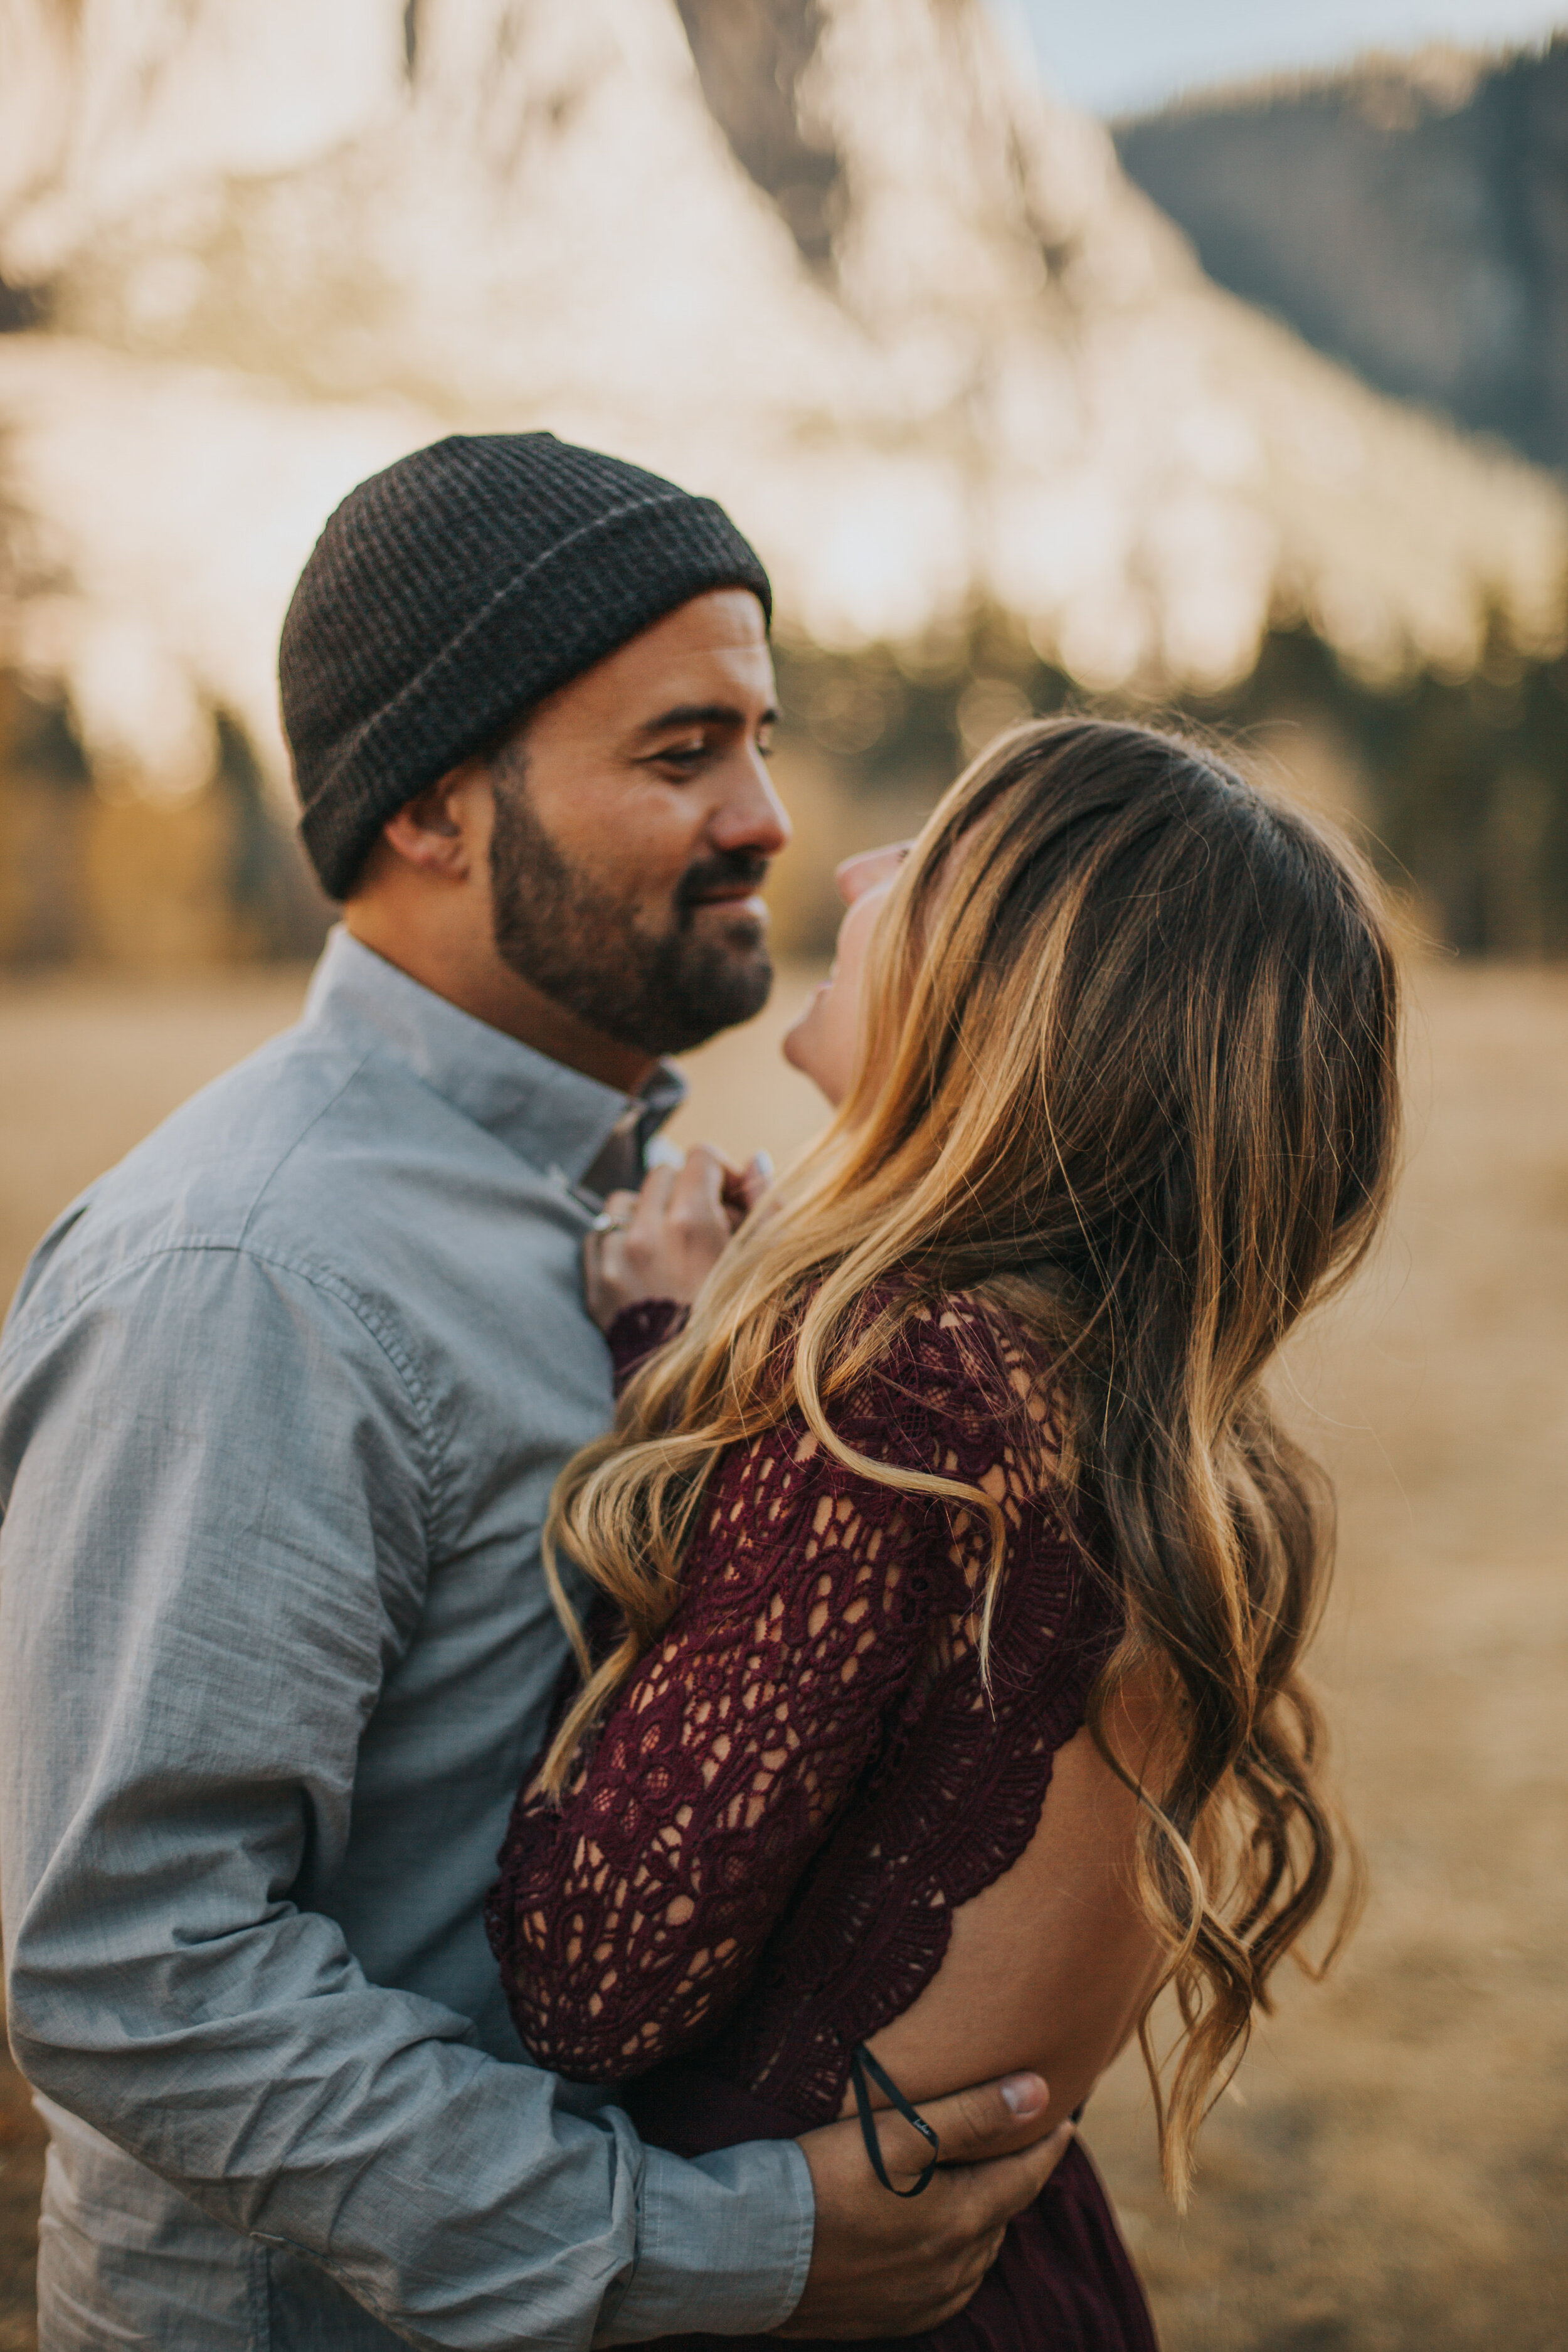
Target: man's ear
444, 831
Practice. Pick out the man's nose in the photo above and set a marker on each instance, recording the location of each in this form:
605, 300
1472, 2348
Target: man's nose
751, 816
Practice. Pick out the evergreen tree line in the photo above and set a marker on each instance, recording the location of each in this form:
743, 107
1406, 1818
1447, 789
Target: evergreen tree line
1457, 786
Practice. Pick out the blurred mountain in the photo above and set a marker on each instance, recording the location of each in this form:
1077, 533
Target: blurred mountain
837, 261
1409, 217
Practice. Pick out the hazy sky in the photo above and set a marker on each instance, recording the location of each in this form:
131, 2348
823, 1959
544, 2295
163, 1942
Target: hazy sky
1117, 56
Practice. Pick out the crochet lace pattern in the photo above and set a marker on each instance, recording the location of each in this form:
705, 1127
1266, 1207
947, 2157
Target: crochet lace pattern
761, 1851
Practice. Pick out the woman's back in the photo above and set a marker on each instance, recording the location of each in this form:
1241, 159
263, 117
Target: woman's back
812, 1777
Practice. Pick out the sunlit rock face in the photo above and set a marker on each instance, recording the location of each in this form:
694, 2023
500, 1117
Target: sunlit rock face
836, 261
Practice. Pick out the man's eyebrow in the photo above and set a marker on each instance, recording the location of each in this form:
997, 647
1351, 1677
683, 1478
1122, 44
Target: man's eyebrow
704, 714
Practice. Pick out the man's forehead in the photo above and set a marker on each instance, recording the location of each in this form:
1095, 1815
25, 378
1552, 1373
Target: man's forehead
723, 622
713, 650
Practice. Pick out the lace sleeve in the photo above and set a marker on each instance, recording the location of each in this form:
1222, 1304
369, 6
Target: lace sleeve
627, 1921
637, 1331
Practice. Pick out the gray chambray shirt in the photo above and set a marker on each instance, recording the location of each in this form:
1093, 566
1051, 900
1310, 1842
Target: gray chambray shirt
282, 1400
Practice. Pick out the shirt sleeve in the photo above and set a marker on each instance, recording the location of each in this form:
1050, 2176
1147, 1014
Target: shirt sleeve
628, 1919
219, 1478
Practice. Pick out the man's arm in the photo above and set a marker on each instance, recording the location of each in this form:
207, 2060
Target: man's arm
220, 1481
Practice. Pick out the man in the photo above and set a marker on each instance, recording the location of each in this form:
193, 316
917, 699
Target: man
284, 1396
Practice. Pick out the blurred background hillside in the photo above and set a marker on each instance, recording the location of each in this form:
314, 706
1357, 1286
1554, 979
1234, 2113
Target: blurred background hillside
845, 264
1051, 357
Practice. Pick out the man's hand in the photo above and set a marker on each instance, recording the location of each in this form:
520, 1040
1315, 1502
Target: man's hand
881, 2265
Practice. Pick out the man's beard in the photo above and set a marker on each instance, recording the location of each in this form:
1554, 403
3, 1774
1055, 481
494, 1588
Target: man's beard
580, 945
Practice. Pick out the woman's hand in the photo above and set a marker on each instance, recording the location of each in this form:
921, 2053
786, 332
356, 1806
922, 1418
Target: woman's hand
665, 1241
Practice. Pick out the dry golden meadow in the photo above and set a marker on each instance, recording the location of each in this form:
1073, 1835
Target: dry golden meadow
1390, 2173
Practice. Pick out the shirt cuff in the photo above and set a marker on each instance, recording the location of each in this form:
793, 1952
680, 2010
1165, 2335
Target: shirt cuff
723, 2244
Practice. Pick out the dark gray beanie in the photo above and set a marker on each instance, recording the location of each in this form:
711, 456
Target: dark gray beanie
451, 593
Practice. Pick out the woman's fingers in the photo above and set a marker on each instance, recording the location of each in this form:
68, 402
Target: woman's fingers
743, 1192
649, 1204
696, 1197
662, 1241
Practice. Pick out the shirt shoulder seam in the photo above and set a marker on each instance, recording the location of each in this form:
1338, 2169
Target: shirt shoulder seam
320, 1278
286, 1153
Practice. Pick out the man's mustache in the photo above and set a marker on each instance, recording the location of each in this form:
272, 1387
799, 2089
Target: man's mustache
727, 869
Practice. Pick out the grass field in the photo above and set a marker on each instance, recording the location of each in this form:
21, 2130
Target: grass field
1390, 2173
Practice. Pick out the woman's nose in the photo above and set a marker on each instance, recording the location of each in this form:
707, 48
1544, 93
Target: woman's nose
868, 868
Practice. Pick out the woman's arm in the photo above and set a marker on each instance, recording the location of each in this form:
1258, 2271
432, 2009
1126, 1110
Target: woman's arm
627, 1920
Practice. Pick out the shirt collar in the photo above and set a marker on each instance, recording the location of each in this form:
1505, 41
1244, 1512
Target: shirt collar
554, 1118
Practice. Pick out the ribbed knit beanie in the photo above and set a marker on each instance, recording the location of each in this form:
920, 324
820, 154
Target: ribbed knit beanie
451, 593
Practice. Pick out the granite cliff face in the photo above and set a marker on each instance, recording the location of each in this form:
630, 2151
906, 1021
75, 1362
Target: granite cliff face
836, 260
1409, 217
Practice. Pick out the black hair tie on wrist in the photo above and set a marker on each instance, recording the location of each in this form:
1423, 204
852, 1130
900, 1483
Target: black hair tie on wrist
862, 2064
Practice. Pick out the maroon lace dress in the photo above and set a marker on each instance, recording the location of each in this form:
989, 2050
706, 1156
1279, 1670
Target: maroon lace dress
757, 1863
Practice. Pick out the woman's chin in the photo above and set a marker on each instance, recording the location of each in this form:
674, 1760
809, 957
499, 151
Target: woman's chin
797, 1048
797, 1051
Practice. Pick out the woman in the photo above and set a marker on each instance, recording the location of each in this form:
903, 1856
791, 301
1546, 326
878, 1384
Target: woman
944, 1704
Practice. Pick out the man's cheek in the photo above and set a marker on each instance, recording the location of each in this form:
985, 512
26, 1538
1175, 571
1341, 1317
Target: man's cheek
657, 914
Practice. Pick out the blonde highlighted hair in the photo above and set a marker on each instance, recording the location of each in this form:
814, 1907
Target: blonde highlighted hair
1130, 1074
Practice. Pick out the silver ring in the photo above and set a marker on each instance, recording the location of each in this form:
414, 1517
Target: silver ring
606, 1224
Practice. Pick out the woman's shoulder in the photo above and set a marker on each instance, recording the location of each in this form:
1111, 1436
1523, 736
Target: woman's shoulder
968, 1330
969, 1369
992, 1391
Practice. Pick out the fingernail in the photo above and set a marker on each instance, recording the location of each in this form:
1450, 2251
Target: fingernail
762, 1161
1024, 2095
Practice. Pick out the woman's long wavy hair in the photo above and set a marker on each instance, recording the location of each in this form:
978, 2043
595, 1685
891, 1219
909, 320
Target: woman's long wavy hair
1129, 1071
